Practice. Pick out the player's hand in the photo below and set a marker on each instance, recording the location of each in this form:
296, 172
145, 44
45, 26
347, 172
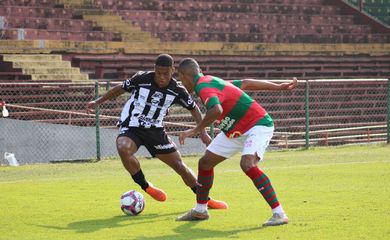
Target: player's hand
290, 85
91, 106
185, 134
206, 139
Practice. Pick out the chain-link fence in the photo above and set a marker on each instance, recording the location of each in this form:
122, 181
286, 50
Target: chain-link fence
330, 112
48, 121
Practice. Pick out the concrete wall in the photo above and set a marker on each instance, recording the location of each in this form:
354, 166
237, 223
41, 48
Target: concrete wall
34, 142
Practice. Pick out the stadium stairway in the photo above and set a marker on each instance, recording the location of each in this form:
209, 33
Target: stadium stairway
108, 21
40, 67
125, 25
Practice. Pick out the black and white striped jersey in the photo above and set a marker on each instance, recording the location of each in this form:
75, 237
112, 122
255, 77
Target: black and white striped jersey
148, 103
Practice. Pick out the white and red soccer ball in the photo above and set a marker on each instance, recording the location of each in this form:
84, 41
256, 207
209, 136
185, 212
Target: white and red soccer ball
132, 203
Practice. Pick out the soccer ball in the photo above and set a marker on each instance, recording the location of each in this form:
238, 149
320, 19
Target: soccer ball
132, 203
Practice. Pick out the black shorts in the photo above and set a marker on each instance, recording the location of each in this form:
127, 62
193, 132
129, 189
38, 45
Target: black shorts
154, 139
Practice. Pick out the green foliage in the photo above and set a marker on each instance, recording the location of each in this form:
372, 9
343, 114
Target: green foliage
328, 193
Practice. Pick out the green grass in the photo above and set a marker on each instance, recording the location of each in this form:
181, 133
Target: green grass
328, 193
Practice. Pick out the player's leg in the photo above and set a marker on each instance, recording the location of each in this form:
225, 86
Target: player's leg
160, 145
127, 145
126, 150
219, 150
206, 178
205, 182
175, 162
253, 151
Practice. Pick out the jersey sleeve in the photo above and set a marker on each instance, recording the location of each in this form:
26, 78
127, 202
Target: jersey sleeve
185, 99
237, 83
209, 99
131, 83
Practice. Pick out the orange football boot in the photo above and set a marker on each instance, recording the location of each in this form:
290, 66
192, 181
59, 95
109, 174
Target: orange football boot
156, 193
216, 204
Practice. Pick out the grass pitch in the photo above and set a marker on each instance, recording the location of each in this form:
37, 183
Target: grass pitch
328, 193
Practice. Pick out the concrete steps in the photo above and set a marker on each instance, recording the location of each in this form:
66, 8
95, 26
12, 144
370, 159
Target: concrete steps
75, 3
188, 48
45, 67
39, 64
128, 32
109, 21
49, 77
51, 71
31, 58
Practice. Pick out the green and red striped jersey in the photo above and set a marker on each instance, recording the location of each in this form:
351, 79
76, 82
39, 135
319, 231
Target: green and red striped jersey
240, 111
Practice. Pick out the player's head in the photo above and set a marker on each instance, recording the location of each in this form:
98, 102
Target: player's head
163, 70
188, 69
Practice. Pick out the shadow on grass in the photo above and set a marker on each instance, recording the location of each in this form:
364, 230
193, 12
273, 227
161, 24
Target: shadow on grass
186, 231
93, 225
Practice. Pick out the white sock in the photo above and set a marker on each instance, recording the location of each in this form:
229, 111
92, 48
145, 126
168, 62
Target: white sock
278, 210
201, 207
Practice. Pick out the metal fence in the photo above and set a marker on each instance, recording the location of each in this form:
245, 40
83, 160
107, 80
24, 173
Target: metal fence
47, 122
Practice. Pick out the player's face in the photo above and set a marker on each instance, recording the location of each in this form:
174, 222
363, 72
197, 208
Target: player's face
187, 82
163, 75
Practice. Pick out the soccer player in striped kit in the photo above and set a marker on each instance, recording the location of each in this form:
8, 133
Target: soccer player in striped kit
245, 126
142, 123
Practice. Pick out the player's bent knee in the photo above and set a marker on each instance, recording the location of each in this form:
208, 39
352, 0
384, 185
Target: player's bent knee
204, 164
247, 162
124, 146
246, 167
180, 167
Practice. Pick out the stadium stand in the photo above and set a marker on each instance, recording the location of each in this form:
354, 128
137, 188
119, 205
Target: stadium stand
39, 68
246, 21
50, 20
380, 9
42, 23
109, 40
232, 67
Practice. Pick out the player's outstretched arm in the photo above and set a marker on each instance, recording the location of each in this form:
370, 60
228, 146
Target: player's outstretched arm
110, 94
254, 84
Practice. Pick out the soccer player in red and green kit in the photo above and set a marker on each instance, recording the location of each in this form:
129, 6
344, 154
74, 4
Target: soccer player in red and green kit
245, 126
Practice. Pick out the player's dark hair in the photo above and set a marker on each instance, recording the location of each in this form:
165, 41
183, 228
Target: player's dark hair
164, 60
189, 65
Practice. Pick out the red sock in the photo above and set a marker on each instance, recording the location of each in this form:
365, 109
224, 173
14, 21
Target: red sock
204, 184
263, 184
